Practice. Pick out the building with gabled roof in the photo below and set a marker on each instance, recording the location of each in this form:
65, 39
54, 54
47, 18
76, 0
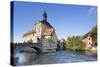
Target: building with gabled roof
87, 39
43, 32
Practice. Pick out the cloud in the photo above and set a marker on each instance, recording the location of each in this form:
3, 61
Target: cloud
92, 11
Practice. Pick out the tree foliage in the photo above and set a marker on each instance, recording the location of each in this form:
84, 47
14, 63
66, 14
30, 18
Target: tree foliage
75, 43
94, 35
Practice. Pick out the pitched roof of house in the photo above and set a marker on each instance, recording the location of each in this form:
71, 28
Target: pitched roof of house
86, 35
47, 32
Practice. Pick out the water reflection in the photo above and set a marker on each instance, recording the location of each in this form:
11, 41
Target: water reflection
91, 53
52, 58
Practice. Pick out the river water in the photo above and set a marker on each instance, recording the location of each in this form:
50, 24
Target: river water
61, 56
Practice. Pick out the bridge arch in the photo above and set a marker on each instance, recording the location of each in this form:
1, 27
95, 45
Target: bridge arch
38, 50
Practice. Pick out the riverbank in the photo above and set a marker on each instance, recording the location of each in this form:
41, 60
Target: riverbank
90, 51
61, 56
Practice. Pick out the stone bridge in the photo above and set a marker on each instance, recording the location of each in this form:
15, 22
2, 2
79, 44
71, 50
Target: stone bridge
44, 46
22, 46
37, 46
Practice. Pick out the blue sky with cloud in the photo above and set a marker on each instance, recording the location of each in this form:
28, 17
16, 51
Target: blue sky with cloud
67, 19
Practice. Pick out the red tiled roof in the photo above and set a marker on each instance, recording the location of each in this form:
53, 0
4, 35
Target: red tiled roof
47, 32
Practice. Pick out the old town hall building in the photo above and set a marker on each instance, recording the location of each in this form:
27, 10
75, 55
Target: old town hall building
43, 32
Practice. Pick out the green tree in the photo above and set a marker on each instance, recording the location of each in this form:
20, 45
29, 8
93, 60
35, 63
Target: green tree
94, 35
75, 43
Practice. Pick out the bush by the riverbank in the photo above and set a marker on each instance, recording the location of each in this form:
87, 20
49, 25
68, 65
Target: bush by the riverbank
74, 43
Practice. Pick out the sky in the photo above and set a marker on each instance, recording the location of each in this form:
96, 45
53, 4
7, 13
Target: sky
67, 19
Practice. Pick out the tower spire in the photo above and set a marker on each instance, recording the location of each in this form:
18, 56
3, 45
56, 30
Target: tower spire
45, 15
